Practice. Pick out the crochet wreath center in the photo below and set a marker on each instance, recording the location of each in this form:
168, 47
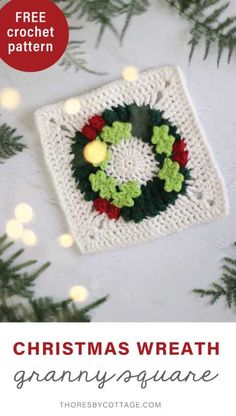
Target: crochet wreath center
132, 160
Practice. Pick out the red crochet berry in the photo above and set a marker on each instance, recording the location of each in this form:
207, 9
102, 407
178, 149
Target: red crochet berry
180, 154
181, 158
97, 122
100, 205
179, 146
89, 132
113, 212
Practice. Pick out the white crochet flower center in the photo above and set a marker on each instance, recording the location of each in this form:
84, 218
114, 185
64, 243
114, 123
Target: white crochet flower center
132, 159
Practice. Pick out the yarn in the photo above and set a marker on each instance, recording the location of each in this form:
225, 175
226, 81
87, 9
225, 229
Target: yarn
170, 173
160, 98
163, 140
119, 131
133, 162
89, 132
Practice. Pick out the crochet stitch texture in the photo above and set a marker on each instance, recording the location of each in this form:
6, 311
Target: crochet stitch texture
105, 206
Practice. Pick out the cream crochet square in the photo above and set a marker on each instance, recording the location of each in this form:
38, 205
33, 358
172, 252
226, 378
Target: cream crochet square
164, 89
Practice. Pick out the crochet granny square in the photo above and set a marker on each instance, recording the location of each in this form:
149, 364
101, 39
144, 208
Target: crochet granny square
132, 164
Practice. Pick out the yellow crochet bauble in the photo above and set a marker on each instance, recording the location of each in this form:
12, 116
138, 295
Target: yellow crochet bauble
95, 152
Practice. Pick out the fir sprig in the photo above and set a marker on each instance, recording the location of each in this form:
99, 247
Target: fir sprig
103, 12
131, 9
207, 19
17, 301
74, 57
100, 12
208, 25
226, 288
10, 143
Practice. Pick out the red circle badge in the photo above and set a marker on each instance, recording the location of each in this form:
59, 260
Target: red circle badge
33, 34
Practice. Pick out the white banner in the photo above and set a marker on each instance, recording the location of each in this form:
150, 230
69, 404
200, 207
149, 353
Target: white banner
133, 368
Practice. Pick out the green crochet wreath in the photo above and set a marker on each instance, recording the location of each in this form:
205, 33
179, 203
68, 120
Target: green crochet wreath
130, 200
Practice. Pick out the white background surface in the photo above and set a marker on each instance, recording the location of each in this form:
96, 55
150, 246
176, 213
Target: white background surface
151, 282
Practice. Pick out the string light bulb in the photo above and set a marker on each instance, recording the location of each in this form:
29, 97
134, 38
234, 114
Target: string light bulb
10, 98
78, 293
14, 229
66, 240
72, 106
95, 152
29, 238
24, 213
130, 73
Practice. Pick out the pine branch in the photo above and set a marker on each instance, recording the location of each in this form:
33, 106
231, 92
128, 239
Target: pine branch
227, 286
74, 57
208, 24
133, 8
103, 12
98, 11
69, 7
10, 143
45, 310
17, 301
207, 19
94, 305
4, 245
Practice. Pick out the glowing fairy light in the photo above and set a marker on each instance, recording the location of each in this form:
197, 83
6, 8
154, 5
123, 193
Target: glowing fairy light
66, 240
130, 73
78, 293
95, 152
72, 106
10, 98
24, 213
14, 229
29, 238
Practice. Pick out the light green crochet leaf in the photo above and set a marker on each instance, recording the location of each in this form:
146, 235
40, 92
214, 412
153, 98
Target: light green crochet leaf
119, 131
106, 186
163, 140
170, 173
128, 191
